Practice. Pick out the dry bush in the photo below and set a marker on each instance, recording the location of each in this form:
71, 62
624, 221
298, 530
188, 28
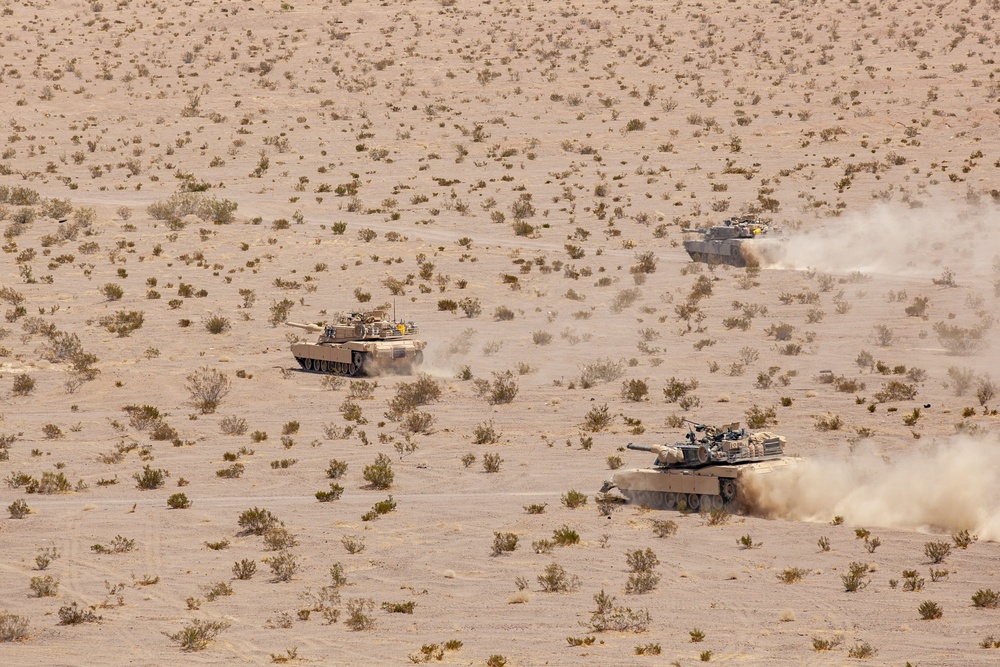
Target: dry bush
256, 521
208, 387
283, 565
233, 425
614, 618
359, 614
196, 635
411, 395
604, 370
379, 474
503, 543
555, 579
961, 341
12, 627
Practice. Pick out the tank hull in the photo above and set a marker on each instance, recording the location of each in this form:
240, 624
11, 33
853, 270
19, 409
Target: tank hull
731, 251
355, 359
708, 487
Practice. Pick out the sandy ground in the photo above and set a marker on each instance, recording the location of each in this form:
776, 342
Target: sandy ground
525, 156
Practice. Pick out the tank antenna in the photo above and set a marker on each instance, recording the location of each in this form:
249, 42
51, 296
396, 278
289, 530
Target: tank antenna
393, 310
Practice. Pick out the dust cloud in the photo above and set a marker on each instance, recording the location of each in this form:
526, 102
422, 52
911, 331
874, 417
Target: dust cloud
946, 487
895, 240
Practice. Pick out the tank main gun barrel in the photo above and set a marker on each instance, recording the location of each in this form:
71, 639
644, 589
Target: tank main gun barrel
694, 231
311, 328
666, 455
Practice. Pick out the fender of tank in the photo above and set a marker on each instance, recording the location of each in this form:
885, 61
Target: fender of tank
704, 471
358, 344
740, 241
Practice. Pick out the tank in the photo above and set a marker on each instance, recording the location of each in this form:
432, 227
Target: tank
704, 471
366, 343
736, 242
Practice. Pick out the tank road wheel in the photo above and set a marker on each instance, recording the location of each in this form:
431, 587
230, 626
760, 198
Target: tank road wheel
706, 502
309, 364
302, 362
670, 499
717, 502
728, 490
357, 364
693, 502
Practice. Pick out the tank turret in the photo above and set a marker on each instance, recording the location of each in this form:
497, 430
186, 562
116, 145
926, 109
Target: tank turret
360, 344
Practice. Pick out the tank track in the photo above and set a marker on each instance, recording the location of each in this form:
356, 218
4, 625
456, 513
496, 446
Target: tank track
354, 369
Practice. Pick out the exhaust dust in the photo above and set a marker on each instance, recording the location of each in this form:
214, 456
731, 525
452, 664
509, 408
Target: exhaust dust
947, 487
896, 240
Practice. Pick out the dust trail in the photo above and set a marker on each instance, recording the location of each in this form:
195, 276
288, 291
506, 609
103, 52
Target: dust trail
946, 487
897, 240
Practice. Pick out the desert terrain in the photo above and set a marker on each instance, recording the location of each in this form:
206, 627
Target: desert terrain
179, 180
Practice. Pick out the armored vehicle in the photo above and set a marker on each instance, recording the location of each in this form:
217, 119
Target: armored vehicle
735, 242
703, 472
361, 344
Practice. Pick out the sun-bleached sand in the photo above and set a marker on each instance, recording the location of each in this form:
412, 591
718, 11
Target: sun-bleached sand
167, 168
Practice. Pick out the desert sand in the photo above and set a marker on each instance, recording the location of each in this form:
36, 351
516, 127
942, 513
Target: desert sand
514, 178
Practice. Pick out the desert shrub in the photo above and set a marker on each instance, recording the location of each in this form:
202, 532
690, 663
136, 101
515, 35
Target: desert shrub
747, 542
555, 579
208, 387
44, 586
503, 542
399, 607
963, 540
615, 462
503, 314
336, 490
502, 390
614, 618
937, 551
123, 322
279, 539
758, 417
197, 635
119, 545
217, 324
256, 521
986, 598
150, 478
541, 337
18, 509
233, 471
379, 474
862, 650
48, 483
471, 307
12, 627
895, 391
178, 501
359, 614
244, 569
23, 384
336, 469
641, 582
828, 422
353, 544
565, 536
112, 291
961, 341
664, 527
411, 395
677, 389
233, 425
604, 370
536, 508
491, 462
635, 390
72, 614
792, 575
598, 418
856, 578
485, 434
573, 499
821, 644
283, 565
